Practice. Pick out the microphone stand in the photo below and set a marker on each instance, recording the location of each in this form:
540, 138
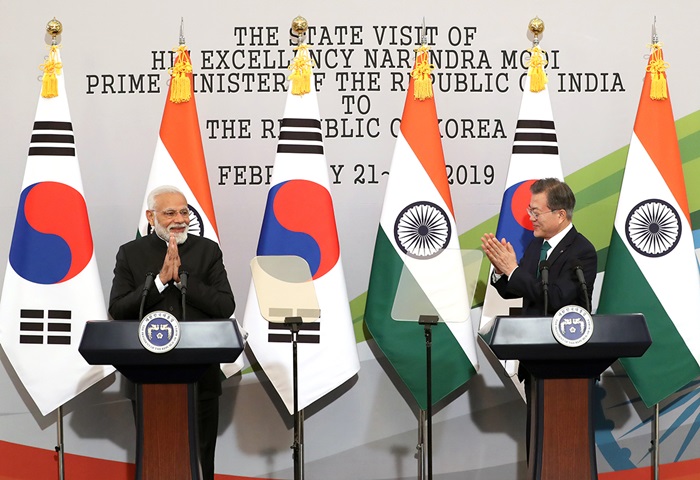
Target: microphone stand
428, 321
578, 269
183, 290
298, 445
150, 276
544, 275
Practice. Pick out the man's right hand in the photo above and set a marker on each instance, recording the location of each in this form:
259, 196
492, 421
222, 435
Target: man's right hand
500, 253
171, 263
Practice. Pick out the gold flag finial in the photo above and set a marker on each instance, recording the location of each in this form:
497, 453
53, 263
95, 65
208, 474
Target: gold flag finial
536, 26
657, 67
52, 66
423, 69
300, 66
535, 70
54, 28
299, 27
180, 83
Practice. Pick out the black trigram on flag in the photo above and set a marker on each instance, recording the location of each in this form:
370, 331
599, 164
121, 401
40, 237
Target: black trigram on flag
300, 135
34, 330
52, 138
280, 333
535, 136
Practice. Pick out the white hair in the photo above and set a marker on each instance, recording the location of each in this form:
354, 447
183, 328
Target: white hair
151, 200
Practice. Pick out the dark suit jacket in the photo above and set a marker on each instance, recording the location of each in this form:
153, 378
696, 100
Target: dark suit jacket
209, 294
564, 288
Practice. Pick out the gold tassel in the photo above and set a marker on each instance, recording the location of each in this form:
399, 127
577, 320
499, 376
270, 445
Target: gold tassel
301, 70
422, 80
51, 67
180, 84
535, 70
657, 67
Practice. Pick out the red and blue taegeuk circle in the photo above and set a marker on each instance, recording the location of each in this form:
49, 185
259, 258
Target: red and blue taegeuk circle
514, 223
51, 242
299, 220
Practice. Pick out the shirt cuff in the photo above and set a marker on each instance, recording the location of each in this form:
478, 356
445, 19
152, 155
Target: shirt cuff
159, 284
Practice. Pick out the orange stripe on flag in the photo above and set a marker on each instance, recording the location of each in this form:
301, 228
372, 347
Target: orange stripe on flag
656, 131
179, 132
420, 129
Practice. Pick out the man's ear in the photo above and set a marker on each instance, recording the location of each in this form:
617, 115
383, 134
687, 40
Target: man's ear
150, 216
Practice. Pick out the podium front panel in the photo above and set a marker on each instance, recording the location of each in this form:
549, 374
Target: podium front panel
531, 338
201, 342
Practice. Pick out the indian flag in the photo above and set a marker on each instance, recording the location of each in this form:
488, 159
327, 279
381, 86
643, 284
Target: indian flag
418, 234
179, 161
651, 266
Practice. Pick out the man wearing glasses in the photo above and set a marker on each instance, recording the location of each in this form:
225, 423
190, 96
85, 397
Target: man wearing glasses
560, 246
166, 253
557, 242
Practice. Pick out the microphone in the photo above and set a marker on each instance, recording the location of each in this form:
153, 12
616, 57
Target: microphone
150, 278
183, 290
578, 270
544, 276
183, 280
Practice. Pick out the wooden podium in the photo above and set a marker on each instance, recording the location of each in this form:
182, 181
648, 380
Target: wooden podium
166, 444
562, 442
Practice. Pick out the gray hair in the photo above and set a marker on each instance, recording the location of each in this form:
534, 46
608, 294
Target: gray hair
151, 200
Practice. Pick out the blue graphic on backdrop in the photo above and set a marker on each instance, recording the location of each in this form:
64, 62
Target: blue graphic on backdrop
686, 407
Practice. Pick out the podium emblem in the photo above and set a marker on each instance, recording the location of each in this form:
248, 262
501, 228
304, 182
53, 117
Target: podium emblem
572, 326
159, 332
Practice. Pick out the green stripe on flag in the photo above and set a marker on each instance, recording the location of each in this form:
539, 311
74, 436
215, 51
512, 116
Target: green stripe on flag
668, 365
403, 343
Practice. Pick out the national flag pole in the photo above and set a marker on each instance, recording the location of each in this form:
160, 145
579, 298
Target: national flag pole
300, 84
424, 89
655, 441
655, 426
59, 441
55, 28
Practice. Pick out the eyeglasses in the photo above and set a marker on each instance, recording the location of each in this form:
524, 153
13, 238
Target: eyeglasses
185, 212
536, 215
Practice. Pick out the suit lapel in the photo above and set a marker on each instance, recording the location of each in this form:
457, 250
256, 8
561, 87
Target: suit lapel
563, 245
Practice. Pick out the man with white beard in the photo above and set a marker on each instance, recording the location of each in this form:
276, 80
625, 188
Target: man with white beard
165, 253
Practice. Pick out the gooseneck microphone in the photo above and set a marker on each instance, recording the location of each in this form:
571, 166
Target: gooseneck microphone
578, 270
150, 278
183, 281
183, 290
544, 277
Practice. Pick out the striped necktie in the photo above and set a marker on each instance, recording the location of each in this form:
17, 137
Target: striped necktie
543, 255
